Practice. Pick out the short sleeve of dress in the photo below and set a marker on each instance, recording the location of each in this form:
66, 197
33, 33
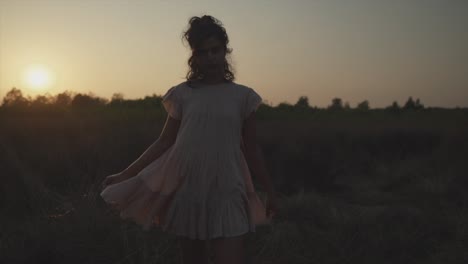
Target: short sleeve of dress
252, 102
172, 103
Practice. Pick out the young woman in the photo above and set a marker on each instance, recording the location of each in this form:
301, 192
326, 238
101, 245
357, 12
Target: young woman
195, 180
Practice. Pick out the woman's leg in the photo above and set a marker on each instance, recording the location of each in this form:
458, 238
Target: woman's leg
229, 250
193, 251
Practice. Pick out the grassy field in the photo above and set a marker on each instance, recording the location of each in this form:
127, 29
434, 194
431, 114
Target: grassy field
355, 186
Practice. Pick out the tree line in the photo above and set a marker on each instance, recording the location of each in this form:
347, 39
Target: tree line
15, 99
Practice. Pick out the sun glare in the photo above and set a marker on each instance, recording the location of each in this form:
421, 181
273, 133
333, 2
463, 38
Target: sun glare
38, 77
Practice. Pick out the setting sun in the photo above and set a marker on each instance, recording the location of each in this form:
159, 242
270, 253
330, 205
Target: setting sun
38, 77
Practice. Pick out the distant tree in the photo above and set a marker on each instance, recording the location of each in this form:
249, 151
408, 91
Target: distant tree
284, 106
347, 106
83, 100
337, 104
153, 101
363, 106
63, 99
302, 102
41, 100
15, 98
418, 104
393, 107
117, 97
413, 105
409, 104
267, 103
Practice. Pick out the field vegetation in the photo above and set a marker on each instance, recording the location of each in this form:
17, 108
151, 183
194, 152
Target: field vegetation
355, 184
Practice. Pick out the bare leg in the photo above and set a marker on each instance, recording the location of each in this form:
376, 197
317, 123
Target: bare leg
228, 250
193, 251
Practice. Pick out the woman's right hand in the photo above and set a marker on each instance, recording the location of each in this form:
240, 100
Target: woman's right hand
115, 178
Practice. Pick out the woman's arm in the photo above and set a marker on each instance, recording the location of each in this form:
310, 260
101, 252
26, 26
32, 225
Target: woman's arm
253, 154
165, 140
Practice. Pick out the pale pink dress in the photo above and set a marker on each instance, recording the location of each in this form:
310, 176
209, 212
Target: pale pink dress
201, 186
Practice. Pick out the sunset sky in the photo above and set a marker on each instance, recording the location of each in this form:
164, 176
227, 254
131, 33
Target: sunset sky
380, 51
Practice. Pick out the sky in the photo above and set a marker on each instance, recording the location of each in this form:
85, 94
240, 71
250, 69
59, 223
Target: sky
356, 50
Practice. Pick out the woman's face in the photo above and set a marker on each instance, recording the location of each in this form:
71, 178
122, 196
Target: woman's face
210, 56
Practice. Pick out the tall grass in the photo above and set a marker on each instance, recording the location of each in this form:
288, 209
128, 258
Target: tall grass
353, 189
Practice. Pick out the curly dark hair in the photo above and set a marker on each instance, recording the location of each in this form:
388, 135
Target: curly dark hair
200, 29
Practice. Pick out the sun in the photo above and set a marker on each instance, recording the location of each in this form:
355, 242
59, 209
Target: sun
38, 77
